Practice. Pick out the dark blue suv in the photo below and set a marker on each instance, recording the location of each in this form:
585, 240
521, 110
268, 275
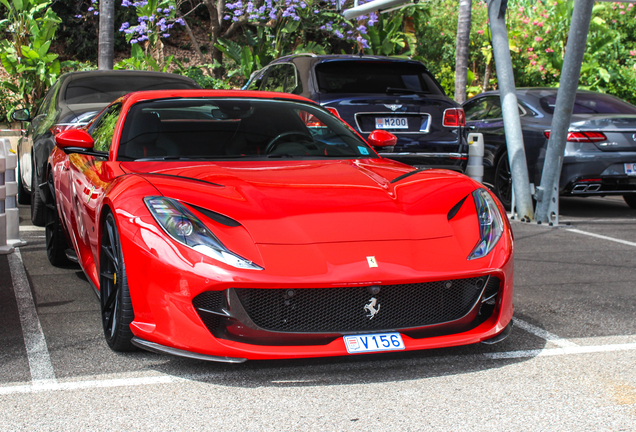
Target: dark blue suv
371, 92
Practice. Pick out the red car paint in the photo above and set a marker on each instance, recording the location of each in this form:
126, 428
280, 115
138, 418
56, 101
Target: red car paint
308, 223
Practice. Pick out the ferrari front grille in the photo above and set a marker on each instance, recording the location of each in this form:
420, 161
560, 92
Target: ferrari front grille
356, 309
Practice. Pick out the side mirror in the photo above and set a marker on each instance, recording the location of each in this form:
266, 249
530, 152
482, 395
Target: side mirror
74, 141
21, 115
381, 138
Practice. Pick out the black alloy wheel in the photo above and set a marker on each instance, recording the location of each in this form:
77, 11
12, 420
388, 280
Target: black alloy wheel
114, 296
38, 205
503, 181
630, 199
55, 240
24, 197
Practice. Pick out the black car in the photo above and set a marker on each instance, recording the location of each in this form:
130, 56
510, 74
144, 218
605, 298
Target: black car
371, 92
600, 154
73, 100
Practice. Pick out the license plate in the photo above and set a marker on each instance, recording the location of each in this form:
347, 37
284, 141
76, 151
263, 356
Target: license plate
630, 169
391, 123
373, 342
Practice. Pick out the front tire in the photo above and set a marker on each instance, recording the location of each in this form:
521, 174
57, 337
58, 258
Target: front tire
116, 306
38, 206
630, 199
55, 241
503, 181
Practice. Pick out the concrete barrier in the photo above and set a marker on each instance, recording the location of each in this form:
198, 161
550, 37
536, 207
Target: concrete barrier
13, 135
475, 167
11, 204
4, 248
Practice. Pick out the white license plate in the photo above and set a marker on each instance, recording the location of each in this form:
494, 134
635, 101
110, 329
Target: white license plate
373, 342
391, 123
630, 169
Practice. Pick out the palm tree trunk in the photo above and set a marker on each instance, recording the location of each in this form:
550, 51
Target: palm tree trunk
106, 35
487, 76
461, 52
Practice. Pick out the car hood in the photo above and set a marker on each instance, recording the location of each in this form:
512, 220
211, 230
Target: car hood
308, 202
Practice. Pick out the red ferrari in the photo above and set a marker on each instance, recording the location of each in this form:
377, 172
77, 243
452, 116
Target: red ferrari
235, 225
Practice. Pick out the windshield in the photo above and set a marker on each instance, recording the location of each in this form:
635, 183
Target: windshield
374, 77
213, 129
105, 89
589, 103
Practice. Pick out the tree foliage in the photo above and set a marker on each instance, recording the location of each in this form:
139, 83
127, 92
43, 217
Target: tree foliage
25, 55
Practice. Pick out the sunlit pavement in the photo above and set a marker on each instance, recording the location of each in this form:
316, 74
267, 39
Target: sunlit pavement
568, 364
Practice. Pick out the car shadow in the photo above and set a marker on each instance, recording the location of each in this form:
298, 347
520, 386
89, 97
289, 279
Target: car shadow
595, 207
351, 370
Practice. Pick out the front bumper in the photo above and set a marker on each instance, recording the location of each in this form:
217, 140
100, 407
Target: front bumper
165, 279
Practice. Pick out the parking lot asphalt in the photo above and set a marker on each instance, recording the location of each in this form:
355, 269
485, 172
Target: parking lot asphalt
568, 364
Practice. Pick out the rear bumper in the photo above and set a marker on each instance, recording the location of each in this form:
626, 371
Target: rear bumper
598, 174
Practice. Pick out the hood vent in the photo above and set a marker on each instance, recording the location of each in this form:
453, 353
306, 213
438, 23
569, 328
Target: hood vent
216, 217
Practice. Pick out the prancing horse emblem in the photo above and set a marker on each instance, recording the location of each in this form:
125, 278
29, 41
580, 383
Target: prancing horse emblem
371, 308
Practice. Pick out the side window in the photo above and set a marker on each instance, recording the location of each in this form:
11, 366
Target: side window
476, 110
257, 80
293, 84
49, 99
494, 107
104, 128
275, 80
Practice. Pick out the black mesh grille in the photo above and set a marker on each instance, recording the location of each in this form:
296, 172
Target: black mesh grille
325, 310
209, 300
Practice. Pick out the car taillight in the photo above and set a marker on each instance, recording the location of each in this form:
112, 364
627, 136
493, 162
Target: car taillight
454, 117
588, 137
333, 111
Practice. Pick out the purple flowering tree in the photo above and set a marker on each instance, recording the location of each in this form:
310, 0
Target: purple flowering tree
155, 18
287, 24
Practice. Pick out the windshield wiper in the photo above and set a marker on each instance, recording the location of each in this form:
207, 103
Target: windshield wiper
393, 90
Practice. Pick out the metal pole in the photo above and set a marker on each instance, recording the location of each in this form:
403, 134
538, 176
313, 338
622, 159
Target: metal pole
548, 192
509, 107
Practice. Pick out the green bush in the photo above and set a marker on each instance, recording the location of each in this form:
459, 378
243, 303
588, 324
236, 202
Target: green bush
26, 56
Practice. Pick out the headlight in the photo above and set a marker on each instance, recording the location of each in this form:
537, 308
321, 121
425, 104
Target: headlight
180, 224
490, 223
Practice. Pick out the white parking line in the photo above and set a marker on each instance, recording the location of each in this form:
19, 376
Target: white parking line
543, 334
42, 373
27, 228
602, 237
78, 385
587, 221
170, 379
560, 351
